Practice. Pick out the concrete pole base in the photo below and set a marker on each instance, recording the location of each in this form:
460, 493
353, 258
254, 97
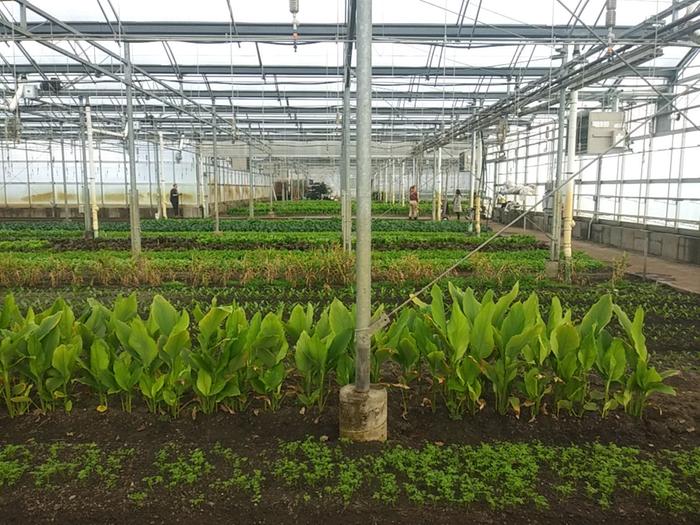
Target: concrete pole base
551, 269
363, 416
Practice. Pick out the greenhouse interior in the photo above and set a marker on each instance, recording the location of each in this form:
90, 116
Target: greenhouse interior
385, 261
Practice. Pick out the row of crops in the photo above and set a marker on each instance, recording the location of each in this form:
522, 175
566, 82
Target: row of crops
299, 251
462, 351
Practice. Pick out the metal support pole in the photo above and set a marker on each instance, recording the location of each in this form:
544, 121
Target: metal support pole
272, 194
555, 245
345, 202
198, 182
393, 181
4, 175
159, 188
162, 192
363, 261
217, 228
438, 188
65, 178
402, 191
22, 15
150, 178
433, 208
472, 170
87, 212
134, 212
53, 180
91, 174
569, 202
478, 171
102, 182
251, 187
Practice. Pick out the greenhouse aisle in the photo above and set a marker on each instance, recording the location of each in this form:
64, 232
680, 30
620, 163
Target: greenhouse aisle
685, 277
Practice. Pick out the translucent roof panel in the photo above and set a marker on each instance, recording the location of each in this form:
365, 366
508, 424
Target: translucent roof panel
333, 11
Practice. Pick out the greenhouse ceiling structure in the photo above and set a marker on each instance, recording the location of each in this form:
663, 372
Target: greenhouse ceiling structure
273, 89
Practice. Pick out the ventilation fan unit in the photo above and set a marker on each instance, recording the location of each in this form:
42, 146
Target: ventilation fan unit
598, 131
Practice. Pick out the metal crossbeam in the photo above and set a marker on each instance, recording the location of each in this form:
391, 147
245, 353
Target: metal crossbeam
255, 32
162, 70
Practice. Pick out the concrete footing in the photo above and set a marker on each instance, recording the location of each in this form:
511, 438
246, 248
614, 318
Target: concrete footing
551, 269
363, 416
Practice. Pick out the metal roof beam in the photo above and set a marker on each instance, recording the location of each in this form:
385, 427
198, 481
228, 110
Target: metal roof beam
220, 32
165, 70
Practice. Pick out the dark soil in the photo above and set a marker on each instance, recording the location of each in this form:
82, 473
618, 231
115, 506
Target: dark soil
670, 423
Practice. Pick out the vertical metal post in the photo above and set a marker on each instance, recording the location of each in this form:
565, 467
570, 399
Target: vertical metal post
65, 178
438, 188
125, 164
569, 202
478, 173
53, 179
162, 200
393, 182
87, 212
150, 179
94, 221
134, 212
251, 187
216, 170
402, 191
76, 170
345, 202
26, 167
363, 260
272, 193
525, 174
22, 15
433, 208
555, 244
198, 182
386, 182
472, 172
4, 176
102, 182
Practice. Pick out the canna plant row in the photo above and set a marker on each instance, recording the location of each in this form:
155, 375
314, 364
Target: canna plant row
466, 352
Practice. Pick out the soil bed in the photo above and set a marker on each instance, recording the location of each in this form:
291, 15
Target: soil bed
256, 434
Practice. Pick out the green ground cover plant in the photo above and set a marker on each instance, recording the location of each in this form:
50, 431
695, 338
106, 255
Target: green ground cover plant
240, 225
318, 207
467, 352
72, 240
499, 475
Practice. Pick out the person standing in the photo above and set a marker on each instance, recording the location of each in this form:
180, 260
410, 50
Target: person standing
457, 203
413, 203
175, 200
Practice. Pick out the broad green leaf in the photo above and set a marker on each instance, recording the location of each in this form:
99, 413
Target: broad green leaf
142, 343
481, 335
210, 323
458, 332
125, 308
437, 308
502, 305
99, 356
165, 314
597, 317
340, 318
47, 325
204, 383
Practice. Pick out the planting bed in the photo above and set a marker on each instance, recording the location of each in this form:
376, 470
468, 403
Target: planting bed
201, 493
257, 462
